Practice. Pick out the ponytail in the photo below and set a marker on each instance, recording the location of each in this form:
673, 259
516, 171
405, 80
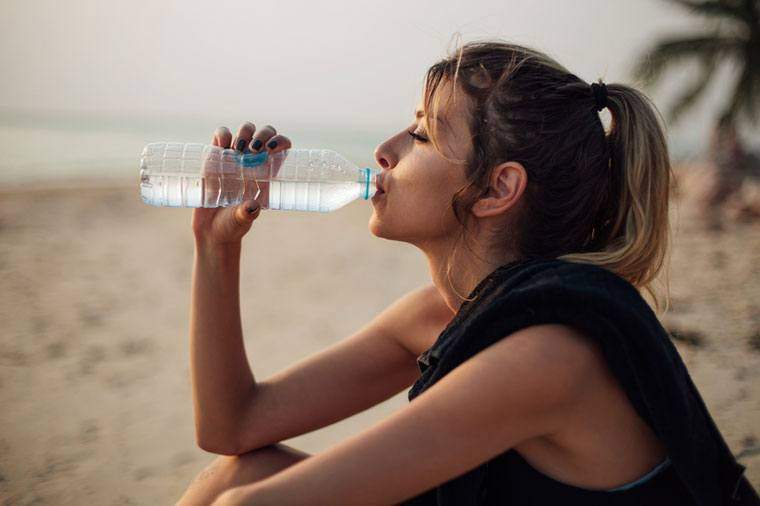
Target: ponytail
638, 230
592, 196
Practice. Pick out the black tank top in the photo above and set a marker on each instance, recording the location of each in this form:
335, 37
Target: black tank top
639, 352
516, 482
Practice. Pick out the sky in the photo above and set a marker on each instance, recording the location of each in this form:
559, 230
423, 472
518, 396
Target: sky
348, 63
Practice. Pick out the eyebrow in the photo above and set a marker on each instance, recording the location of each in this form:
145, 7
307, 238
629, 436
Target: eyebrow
419, 113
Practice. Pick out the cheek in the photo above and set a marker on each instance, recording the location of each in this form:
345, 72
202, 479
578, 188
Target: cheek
437, 186
418, 204
425, 202
432, 181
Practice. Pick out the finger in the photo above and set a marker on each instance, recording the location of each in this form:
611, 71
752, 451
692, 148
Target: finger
211, 161
246, 212
262, 137
222, 137
243, 137
278, 143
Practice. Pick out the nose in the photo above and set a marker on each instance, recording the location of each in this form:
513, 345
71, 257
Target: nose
384, 156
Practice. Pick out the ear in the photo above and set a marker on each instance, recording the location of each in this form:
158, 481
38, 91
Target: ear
507, 184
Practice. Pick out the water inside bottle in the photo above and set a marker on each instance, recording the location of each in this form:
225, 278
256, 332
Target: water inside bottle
186, 190
312, 195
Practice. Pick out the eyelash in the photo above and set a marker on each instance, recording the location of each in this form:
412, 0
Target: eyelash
417, 137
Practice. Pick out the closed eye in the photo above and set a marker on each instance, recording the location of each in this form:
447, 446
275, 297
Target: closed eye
417, 137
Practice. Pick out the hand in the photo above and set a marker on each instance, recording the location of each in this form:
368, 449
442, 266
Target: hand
226, 225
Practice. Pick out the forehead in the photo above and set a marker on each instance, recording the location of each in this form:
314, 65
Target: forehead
449, 110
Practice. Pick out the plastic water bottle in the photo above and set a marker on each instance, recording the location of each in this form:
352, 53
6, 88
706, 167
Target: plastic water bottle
174, 174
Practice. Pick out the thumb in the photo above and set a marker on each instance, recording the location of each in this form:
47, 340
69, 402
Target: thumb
247, 211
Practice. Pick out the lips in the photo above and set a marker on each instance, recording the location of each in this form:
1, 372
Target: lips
379, 184
380, 193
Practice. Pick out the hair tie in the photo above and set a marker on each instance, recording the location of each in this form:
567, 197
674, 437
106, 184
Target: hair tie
599, 90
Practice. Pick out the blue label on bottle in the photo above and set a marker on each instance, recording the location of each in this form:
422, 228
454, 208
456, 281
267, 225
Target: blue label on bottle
252, 160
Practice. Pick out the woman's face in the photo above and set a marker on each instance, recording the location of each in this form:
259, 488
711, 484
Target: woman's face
419, 182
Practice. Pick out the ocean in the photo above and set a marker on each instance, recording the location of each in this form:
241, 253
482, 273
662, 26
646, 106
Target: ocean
54, 147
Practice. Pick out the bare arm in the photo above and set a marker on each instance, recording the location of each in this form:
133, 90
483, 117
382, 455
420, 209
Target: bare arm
234, 413
222, 380
519, 388
347, 377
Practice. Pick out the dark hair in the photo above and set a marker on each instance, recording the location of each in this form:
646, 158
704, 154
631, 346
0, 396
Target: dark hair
592, 196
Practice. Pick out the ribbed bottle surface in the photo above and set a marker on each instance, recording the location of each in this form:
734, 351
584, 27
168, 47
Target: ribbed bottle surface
201, 175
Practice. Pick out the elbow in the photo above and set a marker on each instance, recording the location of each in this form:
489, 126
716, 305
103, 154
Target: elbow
226, 447
218, 442
226, 443
218, 447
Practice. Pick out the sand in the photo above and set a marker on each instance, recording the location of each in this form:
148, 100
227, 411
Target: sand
94, 386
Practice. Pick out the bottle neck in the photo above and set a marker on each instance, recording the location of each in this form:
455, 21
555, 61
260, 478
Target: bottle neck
369, 180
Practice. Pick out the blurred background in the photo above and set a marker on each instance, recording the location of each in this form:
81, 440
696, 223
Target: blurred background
94, 306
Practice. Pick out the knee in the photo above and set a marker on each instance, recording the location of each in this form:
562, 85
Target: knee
238, 469
232, 470
223, 473
263, 462
227, 472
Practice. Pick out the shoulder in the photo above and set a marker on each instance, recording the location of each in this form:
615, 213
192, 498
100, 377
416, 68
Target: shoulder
545, 373
423, 304
522, 386
563, 271
561, 354
584, 305
416, 318
561, 283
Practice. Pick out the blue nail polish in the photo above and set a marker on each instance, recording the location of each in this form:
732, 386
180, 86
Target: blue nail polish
257, 144
272, 145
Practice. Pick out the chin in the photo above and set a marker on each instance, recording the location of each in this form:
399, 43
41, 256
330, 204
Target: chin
380, 227
375, 226
385, 230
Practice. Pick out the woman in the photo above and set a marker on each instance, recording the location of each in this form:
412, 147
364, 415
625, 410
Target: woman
532, 339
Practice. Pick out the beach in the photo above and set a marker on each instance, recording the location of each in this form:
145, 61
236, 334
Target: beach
94, 380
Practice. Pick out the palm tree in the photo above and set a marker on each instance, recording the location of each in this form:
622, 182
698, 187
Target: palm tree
733, 36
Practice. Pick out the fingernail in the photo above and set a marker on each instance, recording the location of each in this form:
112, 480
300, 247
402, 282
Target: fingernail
272, 145
257, 144
252, 209
240, 144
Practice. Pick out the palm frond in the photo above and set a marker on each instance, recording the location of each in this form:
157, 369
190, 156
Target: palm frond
692, 94
736, 10
653, 63
734, 38
746, 95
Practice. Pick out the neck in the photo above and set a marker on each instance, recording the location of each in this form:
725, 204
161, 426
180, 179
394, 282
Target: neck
468, 268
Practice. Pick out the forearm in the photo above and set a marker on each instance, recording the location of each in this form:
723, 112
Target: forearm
222, 380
